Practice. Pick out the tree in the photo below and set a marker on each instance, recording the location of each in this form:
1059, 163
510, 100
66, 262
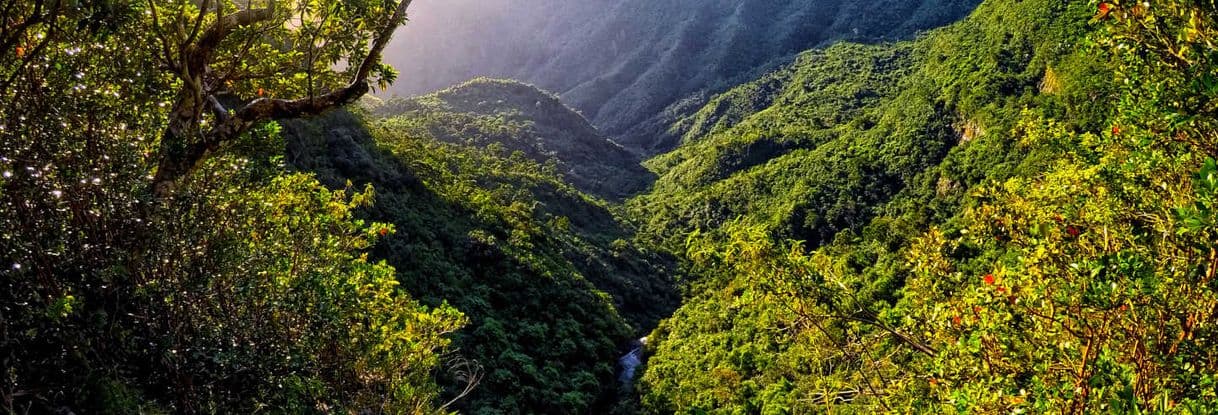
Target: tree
273, 59
251, 288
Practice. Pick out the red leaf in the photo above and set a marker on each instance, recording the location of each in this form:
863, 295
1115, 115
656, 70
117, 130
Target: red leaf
1105, 8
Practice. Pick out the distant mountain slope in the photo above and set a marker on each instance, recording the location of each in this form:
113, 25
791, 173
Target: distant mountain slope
519, 117
817, 146
632, 66
804, 149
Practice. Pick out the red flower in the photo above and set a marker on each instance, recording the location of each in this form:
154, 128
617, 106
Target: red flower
261, 92
1002, 289
989, 279
955, 320
1116, 129
1072, 231
383, 231
20, 51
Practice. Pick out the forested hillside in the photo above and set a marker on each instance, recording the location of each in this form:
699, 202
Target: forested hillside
518, 117
203, 210
551, 281
631, 66
1005, 215
304, 265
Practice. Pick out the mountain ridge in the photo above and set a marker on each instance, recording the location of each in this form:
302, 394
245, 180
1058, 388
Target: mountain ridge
632, 66
538, 124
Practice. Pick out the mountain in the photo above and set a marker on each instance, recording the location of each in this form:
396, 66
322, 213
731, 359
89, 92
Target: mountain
817, 146
519, 117
925, 226
799, 149
1016, 212
632, 66
551, 279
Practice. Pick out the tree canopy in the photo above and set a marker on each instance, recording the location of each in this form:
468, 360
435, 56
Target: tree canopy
158, 255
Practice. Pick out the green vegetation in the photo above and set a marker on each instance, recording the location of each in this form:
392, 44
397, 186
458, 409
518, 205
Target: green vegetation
157, 256
518, 117
1017, 212
551, 280
814, 148
1018, 226
164, 253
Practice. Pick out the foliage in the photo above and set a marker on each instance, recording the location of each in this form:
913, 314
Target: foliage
1014, 213
248, 289
518, 117
845, 130
794, 164
218, 54
552, 281
1057, 258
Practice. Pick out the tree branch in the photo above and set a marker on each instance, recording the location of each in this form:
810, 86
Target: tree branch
217, 108
170, 60
180, 158
916, 345
380, 41
225, 25
13, 34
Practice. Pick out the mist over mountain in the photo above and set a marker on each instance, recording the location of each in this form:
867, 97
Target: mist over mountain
632, 67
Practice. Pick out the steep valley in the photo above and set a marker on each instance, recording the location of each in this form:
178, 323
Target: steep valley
609, 207
552, 280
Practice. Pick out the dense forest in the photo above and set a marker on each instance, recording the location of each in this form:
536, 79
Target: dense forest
774, 207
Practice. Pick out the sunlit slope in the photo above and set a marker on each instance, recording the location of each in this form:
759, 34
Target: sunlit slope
956, 223
819, 146
631, 66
